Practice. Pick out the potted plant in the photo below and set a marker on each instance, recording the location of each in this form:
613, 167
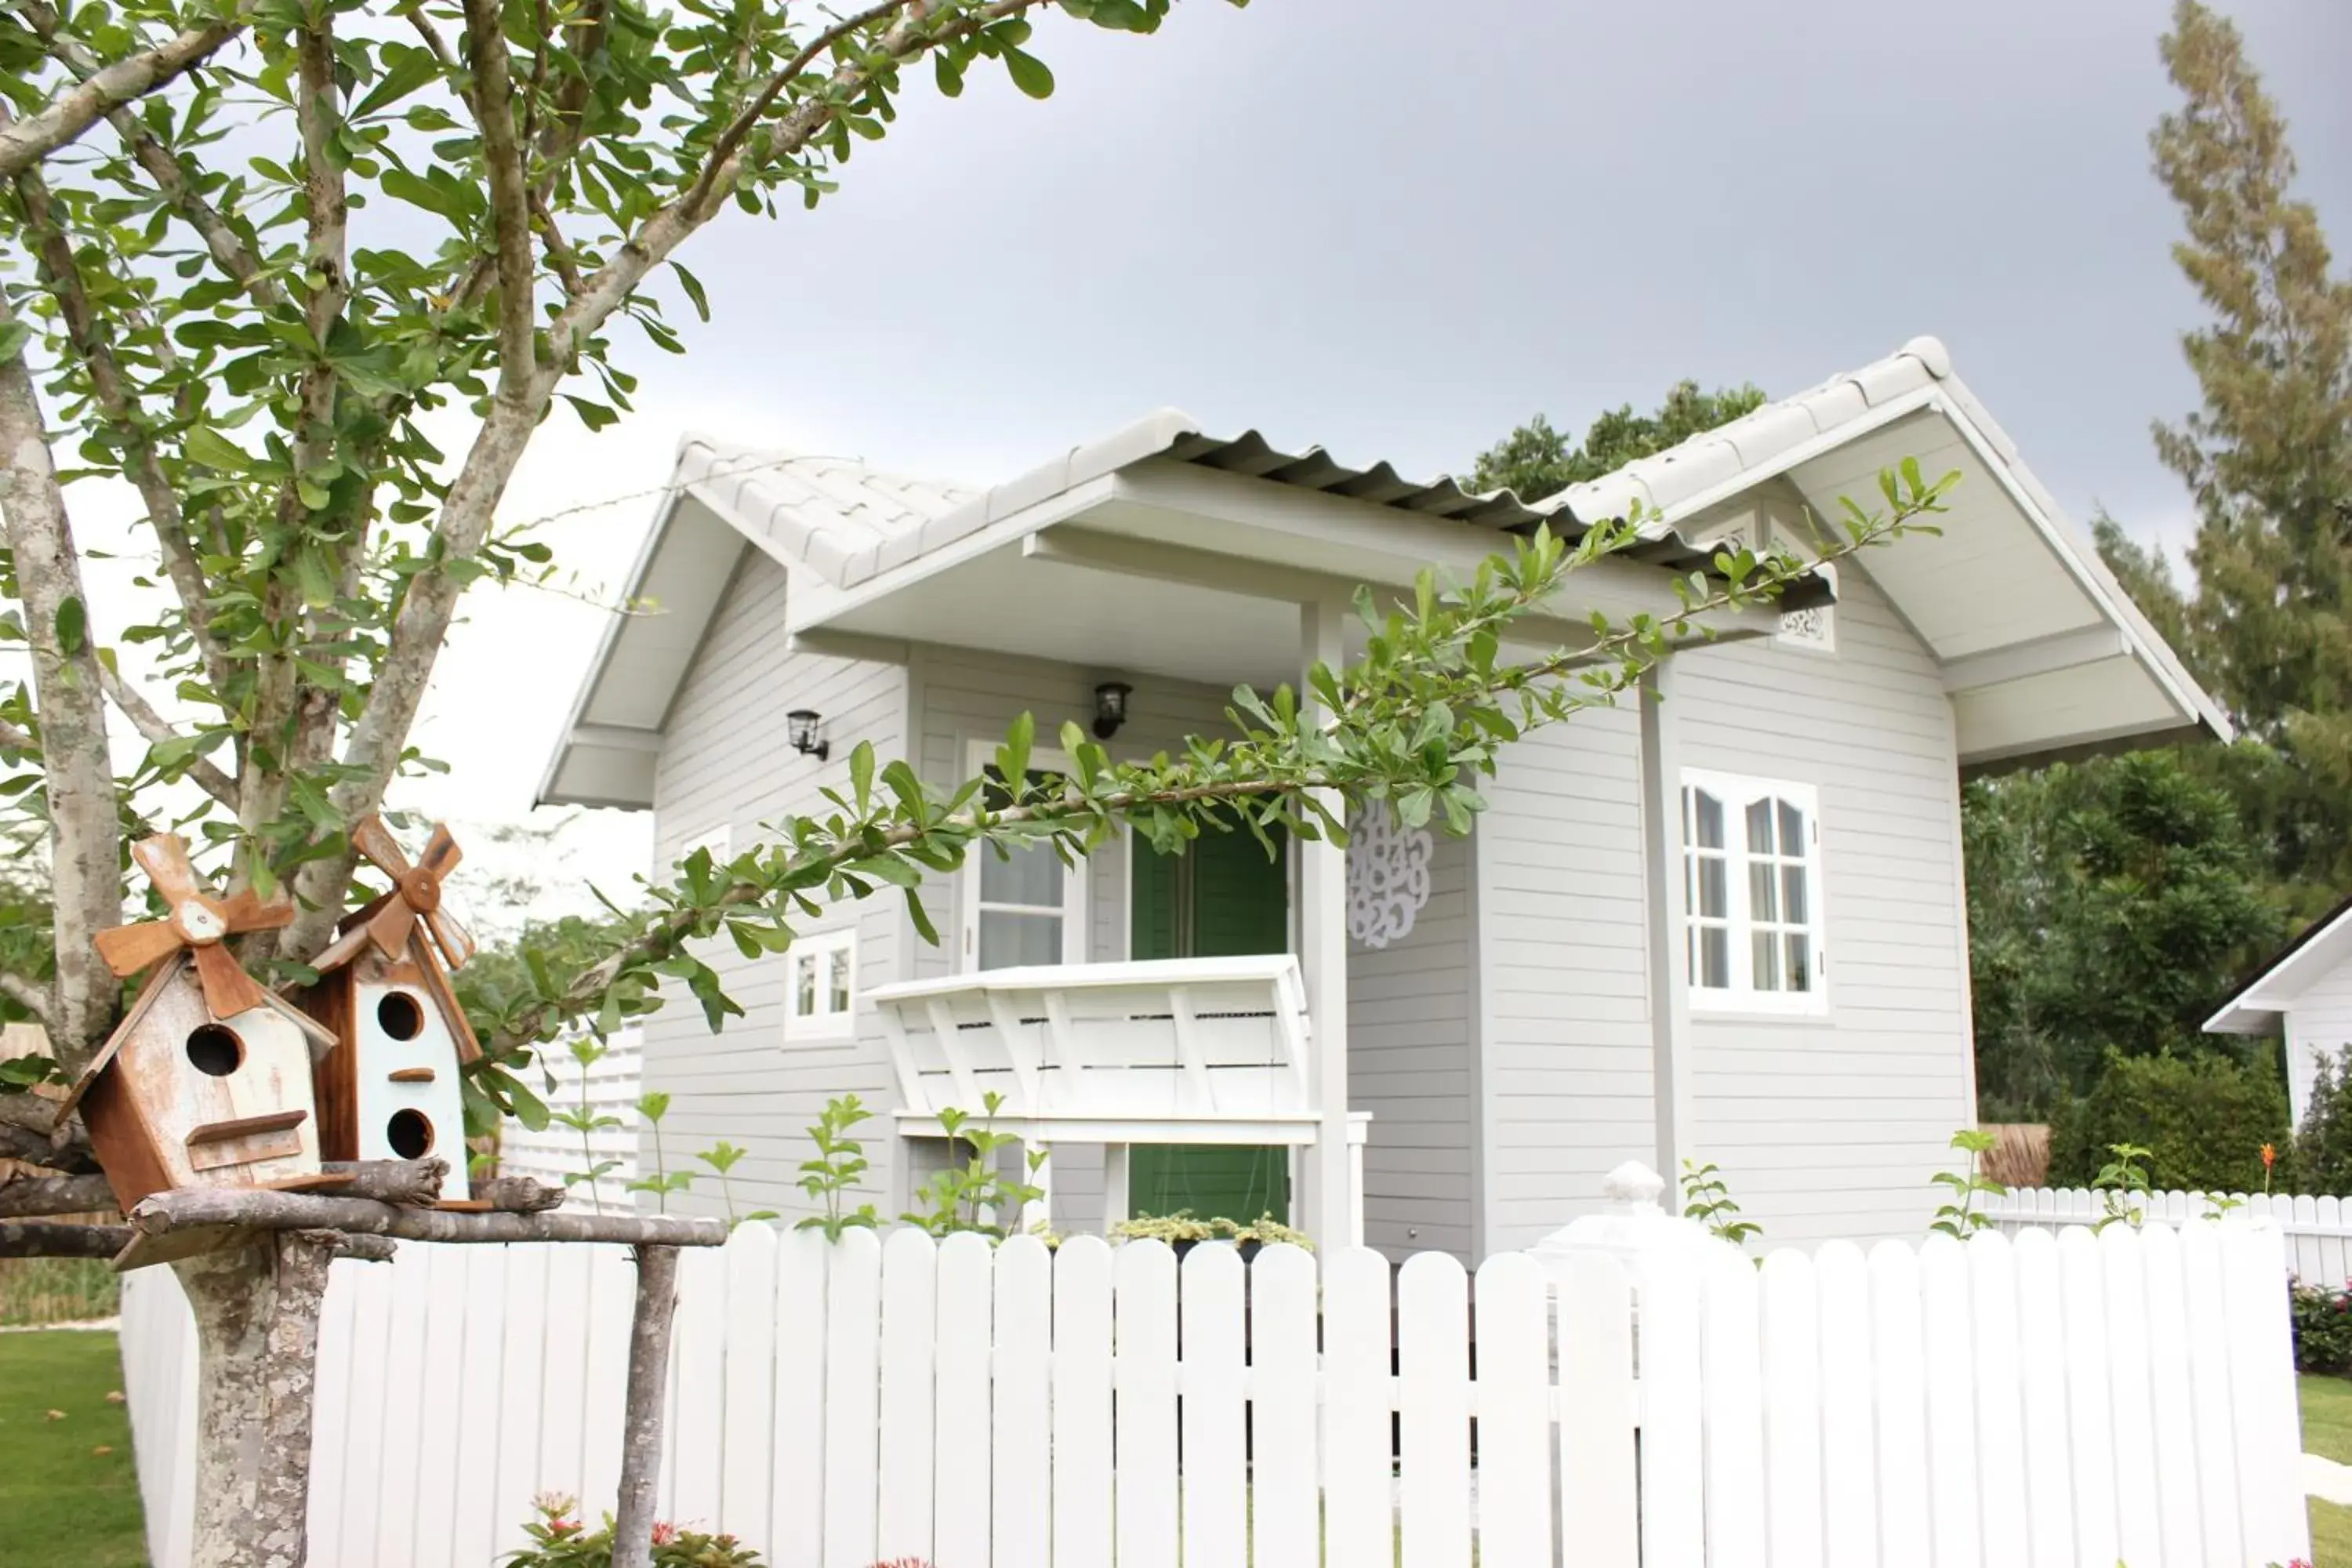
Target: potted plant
1180, 1230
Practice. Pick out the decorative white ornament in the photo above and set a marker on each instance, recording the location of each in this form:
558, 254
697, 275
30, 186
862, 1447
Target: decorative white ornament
1388, 876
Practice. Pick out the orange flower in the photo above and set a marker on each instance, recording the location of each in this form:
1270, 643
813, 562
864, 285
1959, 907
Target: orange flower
2270, 1156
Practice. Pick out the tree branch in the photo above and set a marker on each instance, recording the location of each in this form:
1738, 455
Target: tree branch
93, 345
67, 116
373, 749
78, 774
57, 1238
174, 181
510, 208
258, 1209
157, 731
26, 994
29, 1196
16, 739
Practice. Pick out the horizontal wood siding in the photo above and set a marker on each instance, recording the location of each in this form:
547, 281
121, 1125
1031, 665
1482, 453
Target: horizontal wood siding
725, 760
1832, 1126
1566, 1081
2318, 1025
1409, 1063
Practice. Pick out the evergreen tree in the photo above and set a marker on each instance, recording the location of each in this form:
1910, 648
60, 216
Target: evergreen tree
2269, 456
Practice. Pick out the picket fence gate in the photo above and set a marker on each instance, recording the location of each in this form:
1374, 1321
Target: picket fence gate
2318, 1230
2048, 1401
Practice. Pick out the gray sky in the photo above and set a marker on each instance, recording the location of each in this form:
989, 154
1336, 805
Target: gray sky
1398, 229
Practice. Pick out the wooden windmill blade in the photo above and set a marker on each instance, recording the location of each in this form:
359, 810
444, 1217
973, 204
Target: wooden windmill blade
373, 840
164, 858
246, 910
441, 852
127, 950
392, 925
456, 942
228, 989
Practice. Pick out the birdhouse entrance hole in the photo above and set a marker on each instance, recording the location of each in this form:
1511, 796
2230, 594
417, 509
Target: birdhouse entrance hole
214, 1050
410, 1133
400, 1017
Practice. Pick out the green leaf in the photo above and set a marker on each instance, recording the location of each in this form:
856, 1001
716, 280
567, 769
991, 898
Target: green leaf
14, 335
693, 287
948, 74
73, 627
861, 776
1029, 73
207, 446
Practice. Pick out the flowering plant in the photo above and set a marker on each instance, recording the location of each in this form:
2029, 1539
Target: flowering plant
560, 1540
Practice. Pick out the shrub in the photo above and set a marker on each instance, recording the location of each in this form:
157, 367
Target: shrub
2323, 1327
2203, 1121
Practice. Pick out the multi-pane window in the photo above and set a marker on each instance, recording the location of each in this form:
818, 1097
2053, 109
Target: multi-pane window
1022, 907
820, 987
1751, 891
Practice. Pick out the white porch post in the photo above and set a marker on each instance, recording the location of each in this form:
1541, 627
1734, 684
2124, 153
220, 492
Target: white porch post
1671, 1089
1116, 1207
1334, 1215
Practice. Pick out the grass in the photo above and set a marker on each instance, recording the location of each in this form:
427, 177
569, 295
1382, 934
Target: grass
2328, 1432
57, 1290
67, 1487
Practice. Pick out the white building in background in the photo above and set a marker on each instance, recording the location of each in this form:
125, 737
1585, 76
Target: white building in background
2303, 997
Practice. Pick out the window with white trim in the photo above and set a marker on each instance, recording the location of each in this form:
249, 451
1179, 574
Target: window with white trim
1752, 894
1022, 906
821, 986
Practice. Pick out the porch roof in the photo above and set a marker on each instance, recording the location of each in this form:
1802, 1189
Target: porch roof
1212, 539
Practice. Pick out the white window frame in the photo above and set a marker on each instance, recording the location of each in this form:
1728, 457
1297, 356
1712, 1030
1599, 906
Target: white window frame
979, 755
829, 951
1737, 792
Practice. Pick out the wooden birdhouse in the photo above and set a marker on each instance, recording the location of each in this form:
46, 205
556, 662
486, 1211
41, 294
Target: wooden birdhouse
207, 1082
389, 1090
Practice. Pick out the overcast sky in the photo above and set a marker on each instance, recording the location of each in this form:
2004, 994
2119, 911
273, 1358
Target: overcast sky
1397, 230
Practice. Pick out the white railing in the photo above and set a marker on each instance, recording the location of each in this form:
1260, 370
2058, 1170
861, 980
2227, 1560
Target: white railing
1092, 1050
2055, 1400
2318, 1230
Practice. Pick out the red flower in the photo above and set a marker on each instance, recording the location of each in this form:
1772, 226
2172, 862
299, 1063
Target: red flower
561, 1526
665, 1532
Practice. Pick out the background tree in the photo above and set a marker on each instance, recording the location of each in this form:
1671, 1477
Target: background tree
1535, 461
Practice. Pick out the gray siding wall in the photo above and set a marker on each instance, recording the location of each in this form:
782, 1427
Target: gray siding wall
2319, 1025
1832, 1126
1824, 1127
725, 760
1411, 1064
1565, 1083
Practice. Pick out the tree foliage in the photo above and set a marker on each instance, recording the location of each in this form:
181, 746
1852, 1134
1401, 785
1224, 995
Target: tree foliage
2203, 1120
2110, 904
1535, 461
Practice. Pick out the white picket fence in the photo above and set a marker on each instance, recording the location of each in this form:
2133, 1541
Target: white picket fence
2055, 1400
2318, 1230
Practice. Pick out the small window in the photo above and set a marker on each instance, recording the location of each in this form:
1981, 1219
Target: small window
821, 987
1751, 886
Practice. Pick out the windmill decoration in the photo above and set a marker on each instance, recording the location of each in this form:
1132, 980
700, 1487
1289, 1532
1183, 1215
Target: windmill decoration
389, 1089
207, 1080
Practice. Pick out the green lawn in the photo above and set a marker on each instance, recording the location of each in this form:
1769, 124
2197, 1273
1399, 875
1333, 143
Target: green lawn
2327, 1431
67, 1492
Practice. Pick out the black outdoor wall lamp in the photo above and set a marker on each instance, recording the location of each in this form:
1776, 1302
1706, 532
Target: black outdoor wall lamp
1110, 708
800, 727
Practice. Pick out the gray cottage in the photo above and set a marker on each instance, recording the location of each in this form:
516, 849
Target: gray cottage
1727, 926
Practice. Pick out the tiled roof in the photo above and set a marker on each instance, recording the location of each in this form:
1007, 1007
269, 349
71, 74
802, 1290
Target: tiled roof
1669, 480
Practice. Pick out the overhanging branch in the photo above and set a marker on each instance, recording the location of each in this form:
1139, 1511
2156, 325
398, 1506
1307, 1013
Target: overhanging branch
28, 141
158, 730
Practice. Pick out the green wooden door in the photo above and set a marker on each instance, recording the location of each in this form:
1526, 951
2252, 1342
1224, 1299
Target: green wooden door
1224, 897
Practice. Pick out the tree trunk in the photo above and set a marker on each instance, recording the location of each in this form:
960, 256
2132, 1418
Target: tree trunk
641, 1420
256, 1307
